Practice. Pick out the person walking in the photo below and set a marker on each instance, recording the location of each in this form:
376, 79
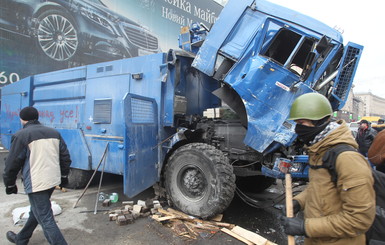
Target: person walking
365, 137
334, 212
41, 154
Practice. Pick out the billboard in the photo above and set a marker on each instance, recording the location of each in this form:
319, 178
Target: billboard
38, 36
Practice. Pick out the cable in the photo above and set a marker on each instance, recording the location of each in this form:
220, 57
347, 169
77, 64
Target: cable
262, 204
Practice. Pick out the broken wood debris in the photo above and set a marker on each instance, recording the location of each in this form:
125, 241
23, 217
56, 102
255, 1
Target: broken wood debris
189, 227
185, 226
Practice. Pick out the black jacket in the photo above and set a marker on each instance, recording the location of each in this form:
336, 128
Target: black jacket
42, 155
364, 139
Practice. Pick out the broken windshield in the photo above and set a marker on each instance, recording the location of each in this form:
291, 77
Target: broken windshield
286, 47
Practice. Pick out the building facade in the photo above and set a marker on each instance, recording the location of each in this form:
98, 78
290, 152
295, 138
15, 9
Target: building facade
373, 104
361, 105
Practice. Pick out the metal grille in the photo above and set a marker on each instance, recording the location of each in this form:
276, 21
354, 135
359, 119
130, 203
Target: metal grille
141, 38
142, 111
102, 111
346, 74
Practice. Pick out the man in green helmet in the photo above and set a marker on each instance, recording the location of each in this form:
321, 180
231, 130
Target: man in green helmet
334, 212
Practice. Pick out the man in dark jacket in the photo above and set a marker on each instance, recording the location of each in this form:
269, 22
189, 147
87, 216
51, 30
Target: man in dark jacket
365, 137
41, 155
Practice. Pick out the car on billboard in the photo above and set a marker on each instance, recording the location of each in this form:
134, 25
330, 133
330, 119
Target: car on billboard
63, 30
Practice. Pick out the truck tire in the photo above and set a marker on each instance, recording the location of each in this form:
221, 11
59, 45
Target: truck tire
78, 178
199, 180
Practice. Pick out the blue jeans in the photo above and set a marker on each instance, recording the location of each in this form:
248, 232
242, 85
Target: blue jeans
41, 213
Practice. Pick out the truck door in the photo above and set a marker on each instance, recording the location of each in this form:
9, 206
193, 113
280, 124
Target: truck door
14, 97
141, 157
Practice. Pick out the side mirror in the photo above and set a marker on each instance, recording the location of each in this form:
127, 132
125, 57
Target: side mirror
322, 44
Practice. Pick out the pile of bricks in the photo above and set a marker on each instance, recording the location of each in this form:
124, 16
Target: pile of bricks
130, 211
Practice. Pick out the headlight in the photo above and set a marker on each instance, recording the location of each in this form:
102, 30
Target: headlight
97, 18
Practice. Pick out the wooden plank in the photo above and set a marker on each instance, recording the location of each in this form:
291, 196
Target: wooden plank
218, 218
221, 224
160, 219
249, 235
181, 214
184, 216
270, 243
190, 228
227, 231
162, 211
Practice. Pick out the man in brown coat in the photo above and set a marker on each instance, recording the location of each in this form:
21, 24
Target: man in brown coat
334, 213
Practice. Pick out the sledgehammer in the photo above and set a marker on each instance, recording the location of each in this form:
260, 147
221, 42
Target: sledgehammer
284, 167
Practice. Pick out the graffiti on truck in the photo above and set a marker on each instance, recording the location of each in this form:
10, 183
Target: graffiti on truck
46, 115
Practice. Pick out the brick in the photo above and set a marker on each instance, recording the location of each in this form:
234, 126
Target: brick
142, 203
137, 209
128, 203
129, 218
113, 217
106, 203
157, 206
121, 220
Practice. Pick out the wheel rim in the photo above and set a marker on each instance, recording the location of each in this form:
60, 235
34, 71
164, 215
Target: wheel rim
57, 37
192, 182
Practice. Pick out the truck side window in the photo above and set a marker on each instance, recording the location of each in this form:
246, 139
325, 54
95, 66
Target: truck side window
102, 110
281, 44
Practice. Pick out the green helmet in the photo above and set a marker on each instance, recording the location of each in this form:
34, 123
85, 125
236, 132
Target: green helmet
311, 106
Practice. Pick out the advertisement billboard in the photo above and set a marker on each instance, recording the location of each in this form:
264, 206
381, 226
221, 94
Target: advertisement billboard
40, 36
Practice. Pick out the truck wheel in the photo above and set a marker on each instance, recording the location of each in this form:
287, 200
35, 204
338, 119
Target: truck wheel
57, 36
78, 178
199, 180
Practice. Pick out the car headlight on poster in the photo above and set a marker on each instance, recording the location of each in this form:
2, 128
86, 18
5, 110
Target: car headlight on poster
97, 19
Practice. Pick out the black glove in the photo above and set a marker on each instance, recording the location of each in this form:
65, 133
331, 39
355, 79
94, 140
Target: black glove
12, 189
296, 208
293, 226
64, 181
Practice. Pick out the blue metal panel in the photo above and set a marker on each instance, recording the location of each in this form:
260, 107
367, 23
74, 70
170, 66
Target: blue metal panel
66, 114
141, 137
267, 101
231, 18
242, 34
113, 81
77, 73
206, 56
292, 16
14, 97
62, 91
114, 162
77, 147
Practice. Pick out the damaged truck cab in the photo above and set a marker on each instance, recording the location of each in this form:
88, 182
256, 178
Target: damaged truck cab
201, 123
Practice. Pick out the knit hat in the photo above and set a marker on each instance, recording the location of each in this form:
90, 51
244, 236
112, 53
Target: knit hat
29, 113
364, 121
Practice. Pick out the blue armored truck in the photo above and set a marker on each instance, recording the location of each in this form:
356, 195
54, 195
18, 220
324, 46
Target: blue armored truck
198, 123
